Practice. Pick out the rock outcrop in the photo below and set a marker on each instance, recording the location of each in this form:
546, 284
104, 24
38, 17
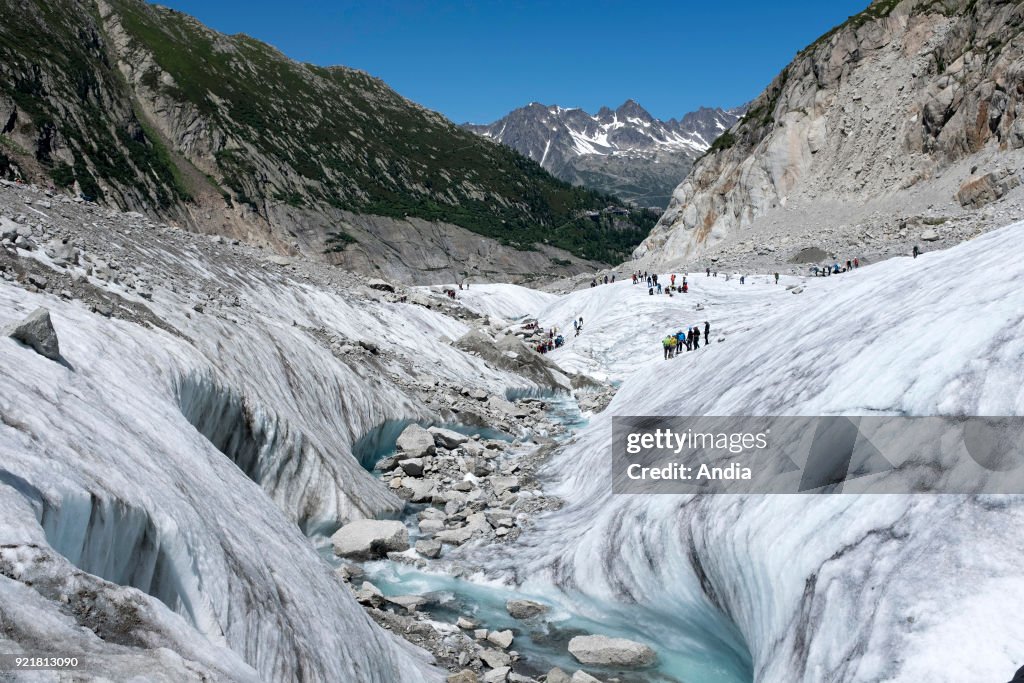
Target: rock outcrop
886, 114
36, 331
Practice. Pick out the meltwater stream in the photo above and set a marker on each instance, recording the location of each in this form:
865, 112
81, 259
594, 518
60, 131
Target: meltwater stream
692, 647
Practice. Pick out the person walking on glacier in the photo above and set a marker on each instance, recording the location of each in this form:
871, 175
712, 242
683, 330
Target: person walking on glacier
707, 333
668, 344
696, 338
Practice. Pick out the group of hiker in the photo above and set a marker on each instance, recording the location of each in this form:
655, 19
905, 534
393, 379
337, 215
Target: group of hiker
835, 269
550, 344
653, 286
673, 344
596, 281
554, 339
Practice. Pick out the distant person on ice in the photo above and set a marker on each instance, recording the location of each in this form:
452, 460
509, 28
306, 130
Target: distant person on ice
696, 338
917, 250
776, 278
707, 333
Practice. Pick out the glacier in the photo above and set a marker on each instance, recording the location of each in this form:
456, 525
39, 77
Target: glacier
163, 491
841, 587
171, 471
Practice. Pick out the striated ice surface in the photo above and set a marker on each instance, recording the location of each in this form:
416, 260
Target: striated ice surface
157, 489
838, 588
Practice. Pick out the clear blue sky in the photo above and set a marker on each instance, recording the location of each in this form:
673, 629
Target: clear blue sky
475, 60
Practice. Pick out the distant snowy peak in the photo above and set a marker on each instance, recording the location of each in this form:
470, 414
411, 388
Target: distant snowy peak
625, 151
630, 128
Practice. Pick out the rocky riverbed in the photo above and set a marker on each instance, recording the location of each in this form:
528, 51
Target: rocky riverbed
465, 490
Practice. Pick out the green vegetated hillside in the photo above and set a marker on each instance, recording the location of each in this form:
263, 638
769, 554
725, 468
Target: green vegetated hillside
144, 107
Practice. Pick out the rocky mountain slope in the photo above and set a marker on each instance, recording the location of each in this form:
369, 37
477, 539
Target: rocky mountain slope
144, 108
625, 152
902, 125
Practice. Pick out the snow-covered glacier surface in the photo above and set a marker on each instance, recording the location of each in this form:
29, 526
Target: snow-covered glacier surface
157, 486
838, 588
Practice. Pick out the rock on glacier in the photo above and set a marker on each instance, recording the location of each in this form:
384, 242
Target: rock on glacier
36, 331
370, 538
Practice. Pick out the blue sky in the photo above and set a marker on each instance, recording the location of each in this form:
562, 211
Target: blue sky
475, 61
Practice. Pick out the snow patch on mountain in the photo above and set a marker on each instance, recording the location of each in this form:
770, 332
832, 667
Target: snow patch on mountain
625, 151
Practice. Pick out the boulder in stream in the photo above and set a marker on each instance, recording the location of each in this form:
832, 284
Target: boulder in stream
366, 539
605, 651
415, 442
525, 609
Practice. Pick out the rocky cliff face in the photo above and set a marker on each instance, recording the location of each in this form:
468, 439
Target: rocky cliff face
146, 109
625, 152
904, 118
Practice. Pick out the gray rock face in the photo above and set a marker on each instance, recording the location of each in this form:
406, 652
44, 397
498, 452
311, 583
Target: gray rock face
369, 538
626, 152
36, 331
412, 466
525, 609
495, 658
416, 442
605, 651
502, 639
454, 536
889, 110
409, 602
420, 490
498, 675
556, 675
509, 352
429, 548
980, 190
447, 438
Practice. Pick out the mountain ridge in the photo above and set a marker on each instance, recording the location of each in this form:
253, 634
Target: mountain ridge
145, 108
623, 151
